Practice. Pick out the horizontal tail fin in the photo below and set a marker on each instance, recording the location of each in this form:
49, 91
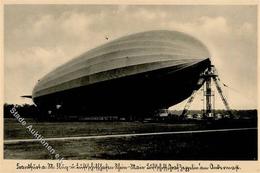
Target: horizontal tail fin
27, 96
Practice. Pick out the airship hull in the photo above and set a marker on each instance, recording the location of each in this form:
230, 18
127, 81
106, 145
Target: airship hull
133, 75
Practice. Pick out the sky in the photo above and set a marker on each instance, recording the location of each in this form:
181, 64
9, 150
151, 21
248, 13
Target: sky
38, 38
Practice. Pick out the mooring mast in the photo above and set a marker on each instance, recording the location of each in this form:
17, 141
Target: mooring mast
206, 78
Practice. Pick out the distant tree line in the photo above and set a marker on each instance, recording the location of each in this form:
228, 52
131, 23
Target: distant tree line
250, 114
25, 110
31, 111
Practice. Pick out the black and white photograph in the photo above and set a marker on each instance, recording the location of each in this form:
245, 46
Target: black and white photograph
130, 82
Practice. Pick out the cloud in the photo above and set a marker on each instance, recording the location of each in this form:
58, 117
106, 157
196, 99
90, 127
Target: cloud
42, 42
211, 25
24, 68
74, 24
39, 28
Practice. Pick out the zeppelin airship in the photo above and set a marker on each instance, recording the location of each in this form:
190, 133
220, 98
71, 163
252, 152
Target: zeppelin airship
133, 75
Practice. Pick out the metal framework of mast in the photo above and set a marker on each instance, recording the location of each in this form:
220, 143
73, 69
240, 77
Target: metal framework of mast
206, 77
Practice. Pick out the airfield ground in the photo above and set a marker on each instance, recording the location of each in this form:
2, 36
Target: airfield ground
219, 145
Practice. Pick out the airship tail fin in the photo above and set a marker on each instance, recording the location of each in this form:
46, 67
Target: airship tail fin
27, 96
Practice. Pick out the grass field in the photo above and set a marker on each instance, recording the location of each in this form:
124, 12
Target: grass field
232, 145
